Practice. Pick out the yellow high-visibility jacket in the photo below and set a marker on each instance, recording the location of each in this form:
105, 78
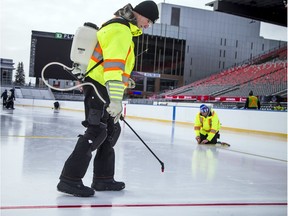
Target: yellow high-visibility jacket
207, 125
115, 46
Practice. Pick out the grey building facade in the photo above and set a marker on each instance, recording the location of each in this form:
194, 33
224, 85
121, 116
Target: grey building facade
214, 40
6, 67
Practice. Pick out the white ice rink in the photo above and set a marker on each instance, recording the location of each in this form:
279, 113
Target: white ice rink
249, 178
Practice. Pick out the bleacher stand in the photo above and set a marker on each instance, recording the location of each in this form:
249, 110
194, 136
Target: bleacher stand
264, 77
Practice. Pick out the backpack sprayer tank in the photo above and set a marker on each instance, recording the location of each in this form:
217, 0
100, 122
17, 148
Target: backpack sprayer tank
83, 45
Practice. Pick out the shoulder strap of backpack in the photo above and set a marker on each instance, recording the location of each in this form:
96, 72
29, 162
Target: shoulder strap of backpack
117, 20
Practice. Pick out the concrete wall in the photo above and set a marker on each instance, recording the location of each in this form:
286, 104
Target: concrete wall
274, 122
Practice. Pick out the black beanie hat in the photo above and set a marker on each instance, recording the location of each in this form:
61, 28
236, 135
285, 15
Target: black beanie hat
148, 9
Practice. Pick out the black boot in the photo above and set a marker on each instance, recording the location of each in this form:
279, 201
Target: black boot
75, 188
107, 185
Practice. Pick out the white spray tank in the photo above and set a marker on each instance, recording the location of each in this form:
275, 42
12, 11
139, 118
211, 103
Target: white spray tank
83, 45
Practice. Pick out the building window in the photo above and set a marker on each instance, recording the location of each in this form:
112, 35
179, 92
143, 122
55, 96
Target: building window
236, 43
251, 45
235, 55
221, 42
175, 16
225, 42
220, 53
262, 47
224, 52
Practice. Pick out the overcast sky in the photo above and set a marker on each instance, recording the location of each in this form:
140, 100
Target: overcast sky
20, 17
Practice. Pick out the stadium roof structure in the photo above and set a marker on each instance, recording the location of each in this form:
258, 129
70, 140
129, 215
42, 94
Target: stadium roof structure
270, 11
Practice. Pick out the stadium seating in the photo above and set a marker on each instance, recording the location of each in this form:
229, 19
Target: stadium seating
261, 76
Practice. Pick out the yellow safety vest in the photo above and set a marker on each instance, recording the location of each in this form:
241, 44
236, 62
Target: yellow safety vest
279, 108
253, 102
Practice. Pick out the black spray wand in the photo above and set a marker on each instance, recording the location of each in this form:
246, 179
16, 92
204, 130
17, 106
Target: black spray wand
162, 164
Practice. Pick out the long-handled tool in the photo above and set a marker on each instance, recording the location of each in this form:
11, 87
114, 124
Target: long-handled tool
162, 164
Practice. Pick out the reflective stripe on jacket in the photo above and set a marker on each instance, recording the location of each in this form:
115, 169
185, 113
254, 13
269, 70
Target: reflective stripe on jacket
207, 125
116, 46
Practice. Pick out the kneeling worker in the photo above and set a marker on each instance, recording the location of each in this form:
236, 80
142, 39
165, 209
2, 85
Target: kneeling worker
206, 126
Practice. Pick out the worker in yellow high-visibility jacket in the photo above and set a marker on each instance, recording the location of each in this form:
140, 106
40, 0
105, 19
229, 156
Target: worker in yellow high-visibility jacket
252, 102
278, 107
115, 52
206, 126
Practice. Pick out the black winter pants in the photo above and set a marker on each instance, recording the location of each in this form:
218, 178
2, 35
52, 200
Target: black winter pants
214, 139
101, 134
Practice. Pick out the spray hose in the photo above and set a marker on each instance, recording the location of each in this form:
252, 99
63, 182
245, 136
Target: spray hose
71, 88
